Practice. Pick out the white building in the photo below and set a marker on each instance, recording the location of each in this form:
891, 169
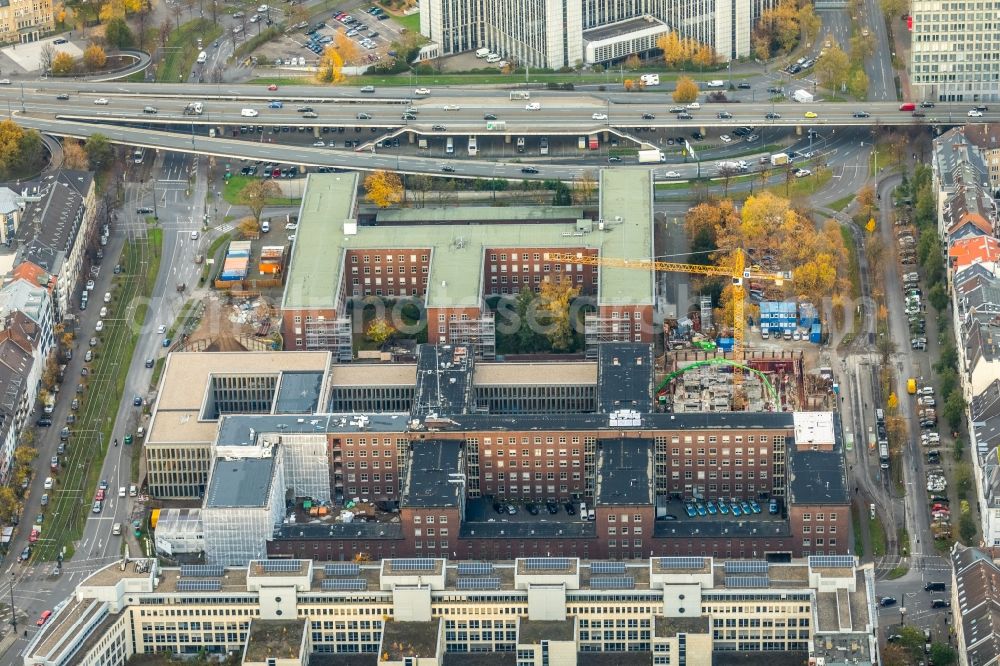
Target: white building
34, 302
954, 47
568, 33
422, 611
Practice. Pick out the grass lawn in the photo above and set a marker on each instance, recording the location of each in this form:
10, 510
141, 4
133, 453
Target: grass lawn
213, 250
231, 192
411, 22
182, 48
853, 268
800, 187
70, 506
859, 543
877, 532
842, 203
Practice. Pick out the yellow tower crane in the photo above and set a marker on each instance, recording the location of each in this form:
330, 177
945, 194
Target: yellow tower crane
738, 272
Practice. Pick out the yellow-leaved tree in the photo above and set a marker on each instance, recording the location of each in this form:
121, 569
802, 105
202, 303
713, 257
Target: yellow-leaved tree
331, 66
63, 63
686, 90
379, 330
94, 57
383, 188
554, 300
347, 48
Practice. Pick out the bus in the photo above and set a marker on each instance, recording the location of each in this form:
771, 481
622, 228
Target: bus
473, 149
450, 146
883, 455
139, 155
544, 145
520, 144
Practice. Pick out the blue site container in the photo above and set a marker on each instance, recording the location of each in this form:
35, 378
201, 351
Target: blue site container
816, 334
726, 344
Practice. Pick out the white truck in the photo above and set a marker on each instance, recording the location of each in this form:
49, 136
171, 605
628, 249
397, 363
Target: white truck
202, 58
652, 156
193, 109
650, 79
779, 159
717, 83
741, 166
496, 125
803, 96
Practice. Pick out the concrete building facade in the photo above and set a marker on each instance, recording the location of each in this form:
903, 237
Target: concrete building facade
433, 611
23, 21
954, 51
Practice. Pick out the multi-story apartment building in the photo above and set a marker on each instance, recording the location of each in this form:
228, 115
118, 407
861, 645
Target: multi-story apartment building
986, 137
954, 53
23, 21
529, 612
56, 229
449, 261
568, 33
610, 452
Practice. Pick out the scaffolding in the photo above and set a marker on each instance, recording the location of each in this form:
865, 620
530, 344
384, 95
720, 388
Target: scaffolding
330, 334
597, 330
478, 334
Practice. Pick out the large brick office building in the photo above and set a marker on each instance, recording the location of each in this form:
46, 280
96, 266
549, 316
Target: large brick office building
438, 468
450, 260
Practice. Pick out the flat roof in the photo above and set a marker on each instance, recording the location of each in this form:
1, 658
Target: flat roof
622, 28
667, 627
429, 477
688, 421
298, 392
313, 279
814, 428
177, 413
480, 214
410, 639
532, 632
578, 373
374, 374
623, 477
625, 377
240, 483
818, 477
281, 639
458, 250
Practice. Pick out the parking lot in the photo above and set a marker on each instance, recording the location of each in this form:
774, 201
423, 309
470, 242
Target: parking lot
303, 45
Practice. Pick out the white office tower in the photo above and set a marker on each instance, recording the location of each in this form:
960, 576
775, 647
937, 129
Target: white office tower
244, 503
568, 33
955, 53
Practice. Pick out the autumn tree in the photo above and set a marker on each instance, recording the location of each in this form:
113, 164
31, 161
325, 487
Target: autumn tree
164, 32
63, 63
629, 85
12, 142
60, 14
673, 48
249, 227
10, 506
94, 57
686, 90
778, 29
857, 83
383, 188
256, 194
704, 56
726, 173
809, 22
379, 330
632, 63
892, 9
554, 300
866, 199
331, 66
832, 68
348, 49
584, 188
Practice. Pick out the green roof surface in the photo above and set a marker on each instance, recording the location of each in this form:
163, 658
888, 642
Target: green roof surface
457, 250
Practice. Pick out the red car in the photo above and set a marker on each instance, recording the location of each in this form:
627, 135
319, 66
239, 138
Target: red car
99, 497
43, 618
272, 87
33, 537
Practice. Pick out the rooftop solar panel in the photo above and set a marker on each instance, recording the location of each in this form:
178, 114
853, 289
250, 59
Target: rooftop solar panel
199, 585
607, 567
612, 582
682, 562
341, 569
202, 570
474, 568
345, 584
487, 583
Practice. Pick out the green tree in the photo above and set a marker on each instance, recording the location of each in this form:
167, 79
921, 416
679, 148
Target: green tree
857, 83
938, 297
832, 68
912, 640
942, 654
926, 246
954, 409
118, 34
966, 530
99, 150
526, 309
947, 357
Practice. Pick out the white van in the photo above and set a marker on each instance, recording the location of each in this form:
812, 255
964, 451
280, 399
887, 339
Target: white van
48, 483
493, 57
107, 297
249, 113
482, 53
202, 58
265, 226
532, 106
650, 79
